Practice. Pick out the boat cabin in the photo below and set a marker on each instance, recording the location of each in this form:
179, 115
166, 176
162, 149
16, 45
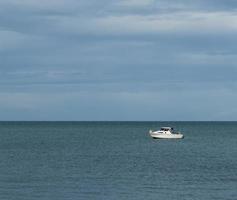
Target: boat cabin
166, 129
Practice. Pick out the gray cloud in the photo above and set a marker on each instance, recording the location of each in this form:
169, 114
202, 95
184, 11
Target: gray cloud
118, 53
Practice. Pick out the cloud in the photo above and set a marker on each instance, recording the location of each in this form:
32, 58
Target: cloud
69, 18
196, 23
11, 39
185, 105
180, 22
134, 3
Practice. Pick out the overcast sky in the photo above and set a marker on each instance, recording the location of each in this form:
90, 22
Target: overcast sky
118, 60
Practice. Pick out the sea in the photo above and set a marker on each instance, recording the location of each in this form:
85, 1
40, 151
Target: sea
117, 161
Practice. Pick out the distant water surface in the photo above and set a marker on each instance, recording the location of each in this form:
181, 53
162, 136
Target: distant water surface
116, 161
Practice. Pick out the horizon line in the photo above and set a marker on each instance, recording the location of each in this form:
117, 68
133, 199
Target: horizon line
118, 120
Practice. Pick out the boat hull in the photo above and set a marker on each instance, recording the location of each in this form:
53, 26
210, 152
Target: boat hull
166, 136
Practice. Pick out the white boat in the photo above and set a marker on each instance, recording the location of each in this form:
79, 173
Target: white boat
166, 133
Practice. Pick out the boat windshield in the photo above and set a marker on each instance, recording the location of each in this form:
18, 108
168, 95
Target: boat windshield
166, 129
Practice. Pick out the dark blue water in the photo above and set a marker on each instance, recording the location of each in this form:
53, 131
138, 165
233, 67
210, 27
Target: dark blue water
117, 160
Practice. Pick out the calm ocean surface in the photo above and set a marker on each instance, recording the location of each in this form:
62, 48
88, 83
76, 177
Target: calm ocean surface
117, 160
